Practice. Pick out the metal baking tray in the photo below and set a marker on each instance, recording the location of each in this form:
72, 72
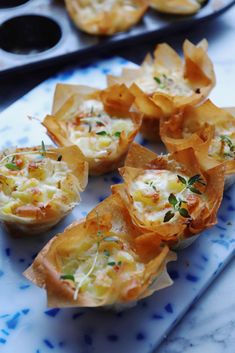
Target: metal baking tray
35, 33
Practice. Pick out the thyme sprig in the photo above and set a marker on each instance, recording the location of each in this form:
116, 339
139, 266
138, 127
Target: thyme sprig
190, 183
68, 277
159, 82
43, 149
151, 184
177, 203
12, 165
105, 133
87, 275
225, 140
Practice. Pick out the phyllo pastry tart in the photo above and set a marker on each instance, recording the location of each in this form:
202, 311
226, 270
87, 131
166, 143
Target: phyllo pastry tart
106, 17
176, 195
208, 129
39, 186
165, 83
101, 123
177, 7
100, 262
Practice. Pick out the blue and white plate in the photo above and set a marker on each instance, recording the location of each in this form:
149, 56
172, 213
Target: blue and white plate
27, 325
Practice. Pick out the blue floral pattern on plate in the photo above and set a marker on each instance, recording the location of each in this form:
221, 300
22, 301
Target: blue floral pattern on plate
26, 322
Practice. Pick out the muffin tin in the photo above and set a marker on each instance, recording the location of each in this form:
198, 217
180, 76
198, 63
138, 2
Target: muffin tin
36, 33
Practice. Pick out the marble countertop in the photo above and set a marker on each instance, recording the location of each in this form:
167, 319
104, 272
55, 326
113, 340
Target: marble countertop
210, 324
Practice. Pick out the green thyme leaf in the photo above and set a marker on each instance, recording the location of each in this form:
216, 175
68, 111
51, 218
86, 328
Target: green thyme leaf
157, 79
226, 140
111, 239
111, 263
102, 133
182, 180
194, 179
90, 127
152, 185
195, 190
172, 200
119, 263
99, 123
43, 149
99, 233
59, 158
106, 253
117, 134
69, 277
168, 216
12, 166
184, 213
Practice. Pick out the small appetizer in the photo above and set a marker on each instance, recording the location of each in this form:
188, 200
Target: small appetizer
102, 124
207, 129
100, 262
168, 83
39, 186
106, 17
177, 7
175, 195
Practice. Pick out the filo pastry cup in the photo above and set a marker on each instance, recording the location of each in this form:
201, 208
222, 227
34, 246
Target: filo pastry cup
165, 83
177, 7
102, 123
99, 261
39, 186
105, 17
176, 196
208, 129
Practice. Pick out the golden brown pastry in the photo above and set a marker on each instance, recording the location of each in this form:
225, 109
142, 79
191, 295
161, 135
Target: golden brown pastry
165, 83
177, 7
208, 129
100, 262
39, 186
175, 196
101, 123
106, 17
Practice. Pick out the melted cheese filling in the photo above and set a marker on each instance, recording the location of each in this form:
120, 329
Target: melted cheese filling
95, 132
150, 192
34, 181
97, 266
170, 83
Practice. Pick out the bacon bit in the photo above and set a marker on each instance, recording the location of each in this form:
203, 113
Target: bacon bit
77, 121
166, 205
116, 268
35, 191
156, 196
81, 115
19, 162
192, 202
29, 211
32, 166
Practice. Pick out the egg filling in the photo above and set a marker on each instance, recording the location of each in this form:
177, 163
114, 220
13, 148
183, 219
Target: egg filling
170, 83
95, 132
30, 182
160, 196
102, 265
